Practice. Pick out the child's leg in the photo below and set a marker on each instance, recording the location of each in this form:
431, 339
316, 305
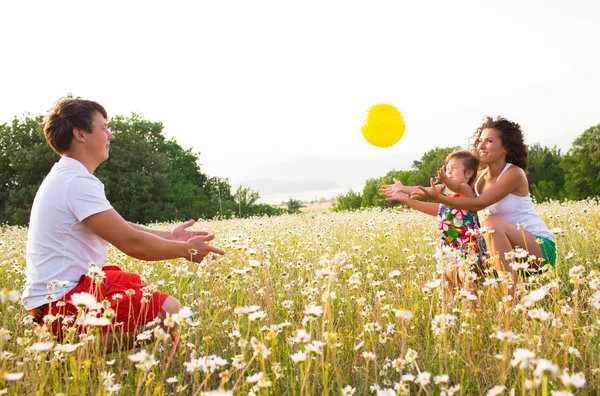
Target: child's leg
469, 285
450, 281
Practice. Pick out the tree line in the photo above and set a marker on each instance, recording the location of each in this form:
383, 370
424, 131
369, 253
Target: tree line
552, 175
148, 178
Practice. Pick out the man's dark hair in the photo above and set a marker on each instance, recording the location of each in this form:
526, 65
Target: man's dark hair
67, 114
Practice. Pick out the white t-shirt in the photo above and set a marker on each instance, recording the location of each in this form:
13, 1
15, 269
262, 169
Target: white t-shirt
59, 246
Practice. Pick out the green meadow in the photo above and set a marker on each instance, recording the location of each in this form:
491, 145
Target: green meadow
347, 303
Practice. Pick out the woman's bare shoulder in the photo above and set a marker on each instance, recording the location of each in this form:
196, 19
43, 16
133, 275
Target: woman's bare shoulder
517, 178
515, 172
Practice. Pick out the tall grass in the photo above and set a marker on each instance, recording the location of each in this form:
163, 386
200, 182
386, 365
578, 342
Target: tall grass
341, 303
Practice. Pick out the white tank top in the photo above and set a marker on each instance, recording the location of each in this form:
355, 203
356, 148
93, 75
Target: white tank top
515, 210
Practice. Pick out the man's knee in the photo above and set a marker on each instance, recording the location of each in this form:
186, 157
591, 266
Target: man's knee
171, 305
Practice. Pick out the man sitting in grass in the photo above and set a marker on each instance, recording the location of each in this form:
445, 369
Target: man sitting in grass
71, 225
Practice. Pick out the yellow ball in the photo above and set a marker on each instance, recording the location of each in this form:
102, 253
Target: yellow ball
384, 125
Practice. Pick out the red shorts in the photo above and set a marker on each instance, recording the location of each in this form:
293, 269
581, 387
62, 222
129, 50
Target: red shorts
136, 307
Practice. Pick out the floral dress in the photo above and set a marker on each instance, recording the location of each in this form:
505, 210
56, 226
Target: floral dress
459, 228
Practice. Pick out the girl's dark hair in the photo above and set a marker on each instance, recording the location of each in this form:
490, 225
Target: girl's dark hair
470, 162
511, 136
67, 114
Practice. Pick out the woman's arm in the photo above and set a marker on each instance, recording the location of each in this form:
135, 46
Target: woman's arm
512, 179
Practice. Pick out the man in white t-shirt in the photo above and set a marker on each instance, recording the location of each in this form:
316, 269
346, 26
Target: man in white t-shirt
72, 224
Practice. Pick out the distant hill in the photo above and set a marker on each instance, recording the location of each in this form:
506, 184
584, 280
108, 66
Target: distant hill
274, 187
317, 173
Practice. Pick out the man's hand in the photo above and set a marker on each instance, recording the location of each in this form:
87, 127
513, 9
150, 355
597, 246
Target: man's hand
181, 233
200, 248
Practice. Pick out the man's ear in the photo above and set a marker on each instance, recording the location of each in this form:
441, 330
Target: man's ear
78, 135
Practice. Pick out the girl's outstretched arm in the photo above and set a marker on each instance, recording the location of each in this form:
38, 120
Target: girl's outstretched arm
398, 187
512, 179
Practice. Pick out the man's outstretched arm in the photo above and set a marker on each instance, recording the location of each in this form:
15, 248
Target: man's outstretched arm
179, 233
110, 226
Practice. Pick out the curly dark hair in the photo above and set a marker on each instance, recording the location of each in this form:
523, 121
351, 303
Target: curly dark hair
512, 139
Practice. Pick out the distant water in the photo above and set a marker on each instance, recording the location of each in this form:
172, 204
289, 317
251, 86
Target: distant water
308, 196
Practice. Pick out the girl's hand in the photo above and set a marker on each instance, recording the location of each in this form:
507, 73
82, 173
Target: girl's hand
397, 186
391, 188
397, 196
387, 190
428, 192
441, 175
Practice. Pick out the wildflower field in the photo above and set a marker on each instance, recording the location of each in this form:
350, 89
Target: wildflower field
330, 303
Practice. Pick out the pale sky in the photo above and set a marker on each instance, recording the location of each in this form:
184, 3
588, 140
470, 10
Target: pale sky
249, 82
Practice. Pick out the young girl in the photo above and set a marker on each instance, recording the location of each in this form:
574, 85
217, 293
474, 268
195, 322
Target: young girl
458, 228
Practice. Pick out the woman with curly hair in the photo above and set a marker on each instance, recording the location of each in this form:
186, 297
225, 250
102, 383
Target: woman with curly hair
502, 193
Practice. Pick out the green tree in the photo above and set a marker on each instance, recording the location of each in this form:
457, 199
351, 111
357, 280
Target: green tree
349, 201
162, 181
582, 165
429, 164
407, 177
265, 210
147, 177
546, 175
25, 159
372, 197
138, 174
186, 197
220, 202
293, 205
245, 198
